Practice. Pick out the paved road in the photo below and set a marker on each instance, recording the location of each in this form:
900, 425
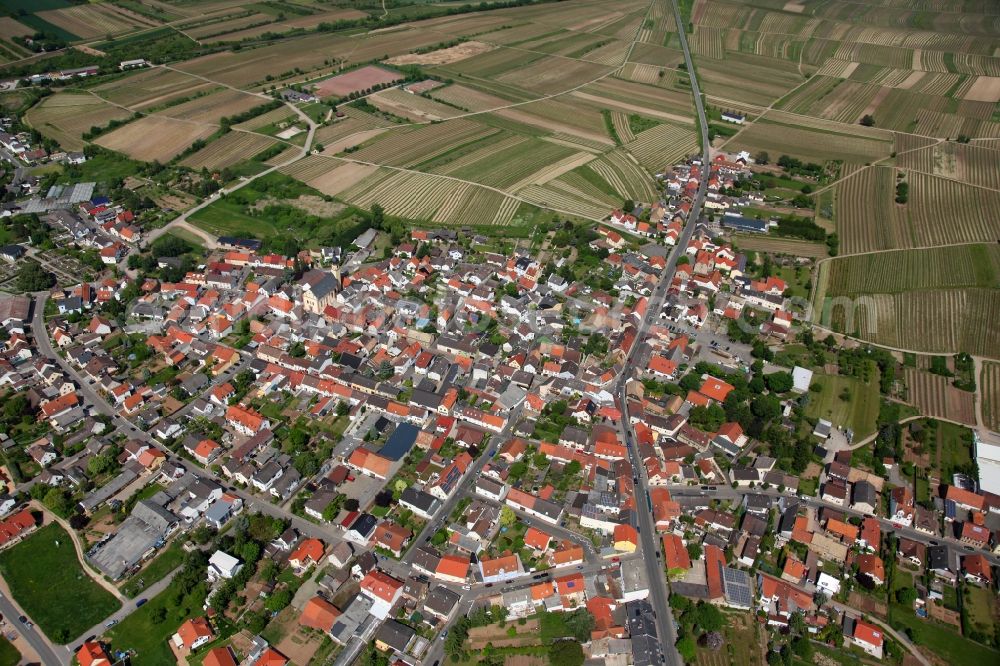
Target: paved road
649, 547
182, 220
33, 636
729, 493
885, 627
441, 517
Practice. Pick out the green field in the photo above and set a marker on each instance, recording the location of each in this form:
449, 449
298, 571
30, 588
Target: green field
941, 640
49, 583
980, 602
908, 270
859, 412
9, 656
148, 638
41, 25
162, 564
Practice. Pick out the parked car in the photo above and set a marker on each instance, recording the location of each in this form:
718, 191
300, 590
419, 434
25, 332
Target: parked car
140, 602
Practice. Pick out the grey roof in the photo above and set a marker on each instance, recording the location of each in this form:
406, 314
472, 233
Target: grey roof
348, 622
441, 601
395, 634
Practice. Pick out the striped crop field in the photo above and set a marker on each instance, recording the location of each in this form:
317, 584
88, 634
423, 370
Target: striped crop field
910, 270
410, 146
272, 117
965, 162
934, 395
867, 218
620, 170
811, 140
468, 98
663, 145
944, 211
232, 148
425, 197
621, 125
639, 73
989, 384
66, 116
565, 196
506, 168
410, 106
955, 320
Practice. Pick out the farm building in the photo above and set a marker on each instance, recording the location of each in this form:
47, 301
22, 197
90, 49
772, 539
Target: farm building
733, 117
744, 223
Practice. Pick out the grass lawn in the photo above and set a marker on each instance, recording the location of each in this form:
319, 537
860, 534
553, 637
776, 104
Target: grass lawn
9, 656
954, 442
147, 638
941, 640
227, 218
858, 412
160, 566
797, 281
193, 239
980, 602
49, 583
742, 644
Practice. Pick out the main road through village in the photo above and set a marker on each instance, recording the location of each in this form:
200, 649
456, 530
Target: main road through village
656, 574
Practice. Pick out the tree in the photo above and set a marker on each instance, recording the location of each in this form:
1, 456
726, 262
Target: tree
58, 502
507, 516
762, 158
628, 206
906, 596
32, 277
779, 382
581, 623
158, 615
868, 120
686, 647
713, 640
566, 653
694, 550
377, 216
278, 600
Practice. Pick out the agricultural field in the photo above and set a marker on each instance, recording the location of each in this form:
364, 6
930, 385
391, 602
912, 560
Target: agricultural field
975, 164
233, 148
941, 300
354, 81
777, 245
934, 395
954, 320
811, 140
64, 117
211, 108
867, 217
96, 20
155, 138
153, 87
910, 270
989, 383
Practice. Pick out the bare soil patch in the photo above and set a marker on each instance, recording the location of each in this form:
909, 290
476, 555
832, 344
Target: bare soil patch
353, 81
307, 203
341, 178
154, 138
985, 89
355, 139
442, 56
